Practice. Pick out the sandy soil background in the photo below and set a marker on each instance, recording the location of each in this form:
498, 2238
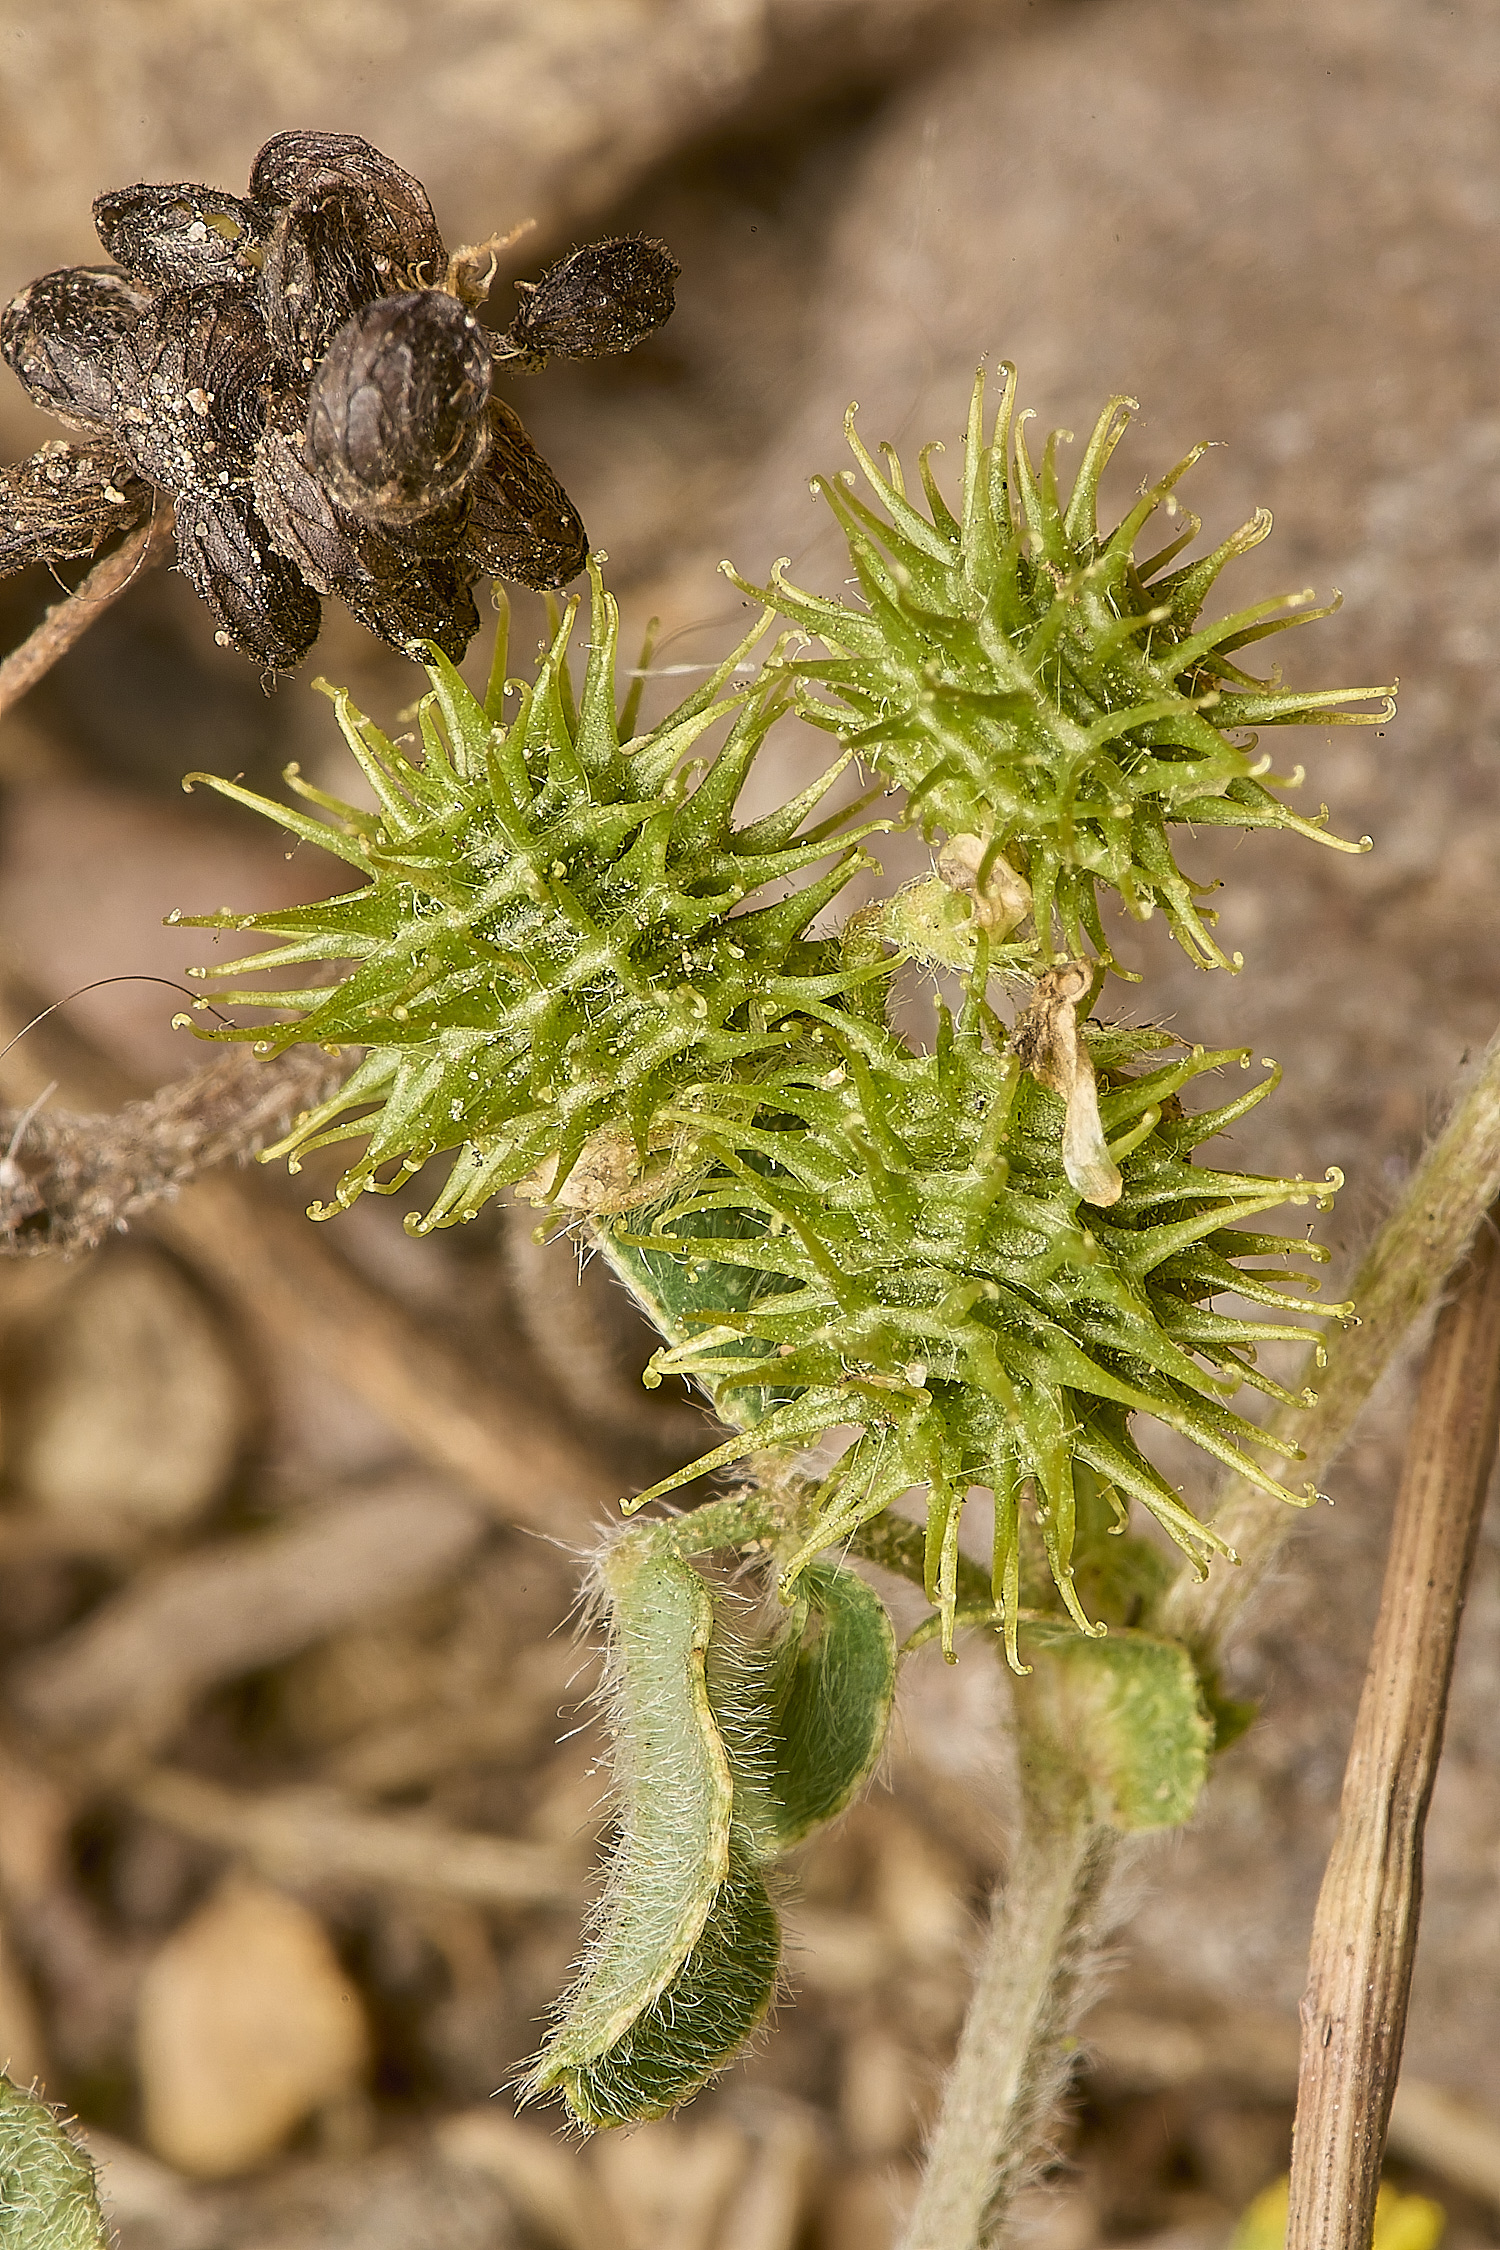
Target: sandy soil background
262, 1626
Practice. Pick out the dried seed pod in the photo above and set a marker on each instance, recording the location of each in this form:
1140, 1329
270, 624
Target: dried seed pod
188, 380
396, 418
319, 269
59, 336
396, 218
65, 501
260, 599
395, 485
303, 522
606, 298
182, 236
522, 525
352, 227
407, 585
404, 584
409, 595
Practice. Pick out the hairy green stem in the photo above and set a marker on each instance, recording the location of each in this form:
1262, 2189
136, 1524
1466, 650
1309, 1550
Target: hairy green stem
1014, 2055
1015, 2052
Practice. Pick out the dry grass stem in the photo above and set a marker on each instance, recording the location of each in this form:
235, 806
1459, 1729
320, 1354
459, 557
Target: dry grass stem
1365, 1929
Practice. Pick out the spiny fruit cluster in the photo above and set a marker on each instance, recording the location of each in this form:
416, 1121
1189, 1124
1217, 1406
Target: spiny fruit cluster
555, 937
987, 1258
1033, 684
919, 1267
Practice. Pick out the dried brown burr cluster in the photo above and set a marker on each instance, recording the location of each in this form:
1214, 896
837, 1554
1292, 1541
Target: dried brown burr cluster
302, 373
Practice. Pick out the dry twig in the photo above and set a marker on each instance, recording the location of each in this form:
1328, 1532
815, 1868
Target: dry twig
75, 1180
67, 621
1365, 1930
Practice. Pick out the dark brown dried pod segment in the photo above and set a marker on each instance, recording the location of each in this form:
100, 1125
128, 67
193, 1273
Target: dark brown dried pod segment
350, 226
522, 525
318, 271
59, 336
288, 369
396, 418
605, 298
397, 223
182, 236
189, 375
408, 585
295, 508
412, 594
259, 598
65, 501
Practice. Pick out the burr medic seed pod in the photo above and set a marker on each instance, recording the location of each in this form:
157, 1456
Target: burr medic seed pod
1030, 679
557, 931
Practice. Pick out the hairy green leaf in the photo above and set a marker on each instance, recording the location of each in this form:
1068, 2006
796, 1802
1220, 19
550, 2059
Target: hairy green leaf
1127, 1715
728, 1748
683, 1960
690, 2029
675, 1802
832, 1694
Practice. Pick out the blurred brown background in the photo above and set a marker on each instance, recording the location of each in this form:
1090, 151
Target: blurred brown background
297, 1817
